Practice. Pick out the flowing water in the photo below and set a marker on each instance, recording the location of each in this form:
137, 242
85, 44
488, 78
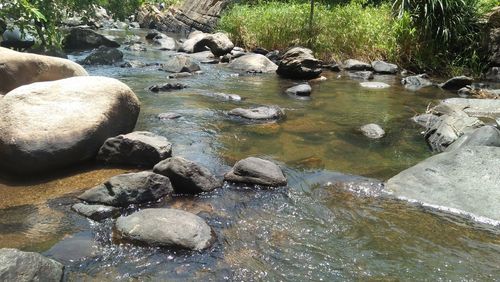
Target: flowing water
318, 228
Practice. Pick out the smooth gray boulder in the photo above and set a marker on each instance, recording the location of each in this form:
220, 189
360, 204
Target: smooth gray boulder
139, 148
186, 176
356, 65
130, 188
193, 38
476, 107
425, 120
384, 67
253, 63
483, 136
416, 82
259, 113
166, 228
456, 83
83, 38
374, 85
103, 56
372, 130
218, 43
256, 171
19, 266
96, 212
299, 63
180, 63
303, 89
49, 125
466, 180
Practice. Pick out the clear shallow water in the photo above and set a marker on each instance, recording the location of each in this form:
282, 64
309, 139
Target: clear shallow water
310, 230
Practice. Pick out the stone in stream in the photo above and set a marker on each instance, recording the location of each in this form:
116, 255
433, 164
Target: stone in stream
103, 56
50, 125
218, 43
193, 38
164, 42
132, 64
139, 148
186, 176
299, 63
425, 120
167, 87
167, 116
476, 107
17, 69
384, 67
256, 171
259, 113
364, 75
260, 50
374, 85
224, 96
96, 212
465, 180
493, 74
416, 82
355, 65
19, 266
166, 228
130, 188
179, 75
253, 63
180, 63
136, 47
303, 89
83, 38
372, 130
483, 136
456, 83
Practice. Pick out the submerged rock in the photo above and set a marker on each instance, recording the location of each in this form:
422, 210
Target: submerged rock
456, 83
166, 228
465, 179
384, 67
103, 56
19, 266
166, 116
180, 63
186, 176
218, 43
299, 63
48, 125
416, 82
300, 90
259, 113
374, 85
96, 212
253, 63
224, 96
83, 38
483, 136
140, 148
365, 75
131, 188
372, 130
355, 65
256, 171
136, 47
167, 87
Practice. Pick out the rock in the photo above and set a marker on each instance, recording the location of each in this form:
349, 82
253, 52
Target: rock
139, 148
83, 38
372, 130
303, 89
416, 82
180, 75
136, 47
476, 107
374, 85
132, 64
186, 176
299, 63
14, 38
167, 87
493, 74
134, 25
48, 125
236, 54
164, 42
166, 228
260, 50
465, 91
130, 188
180, 63
465, 179
456, 83
193, 38
153, 33
256, 171
103, 56
167, 116
365, 75
384, 68
253, 63
259, 113
16, 265
494, 47
333, 67
224, 96
218, 43
17, 69
355, 65
425, 120
274, 56
483, 136
96, 212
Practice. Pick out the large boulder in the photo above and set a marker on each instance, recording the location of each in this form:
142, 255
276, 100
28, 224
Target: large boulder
259, 113
140, 148
83, 38
299, 63
130, 188
164, 42
103, 56
180, 63
18, 69
483, 136
186, 176
456, 83
256, 171
48, 125
356, 65
253, 63
218, 43
476, 107
462, 180
384, 67
19, 266
193, 38
166, 228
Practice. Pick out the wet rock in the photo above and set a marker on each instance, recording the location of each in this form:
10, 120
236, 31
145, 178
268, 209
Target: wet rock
167, 87
193, 38
384, 68
152, 34
166, 228
425, 120
139, 148
16, 265
224, 96
82, 38
465, 179
365, 75
167, 116
355, 65
164, 42
416, 82
483, 136
465, 91
334, 67
180, 75
259, 113
456, 83
374, 85
226, 58
256, 171
476, 107
136, 47
103, 56
131, 188
96, 212
132, 64
54, 124
300, 90
218, 43
274, 56
236, 54
19, 68
186, 176
253, 63
372, 130
180, 63
299, 63
260, 50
